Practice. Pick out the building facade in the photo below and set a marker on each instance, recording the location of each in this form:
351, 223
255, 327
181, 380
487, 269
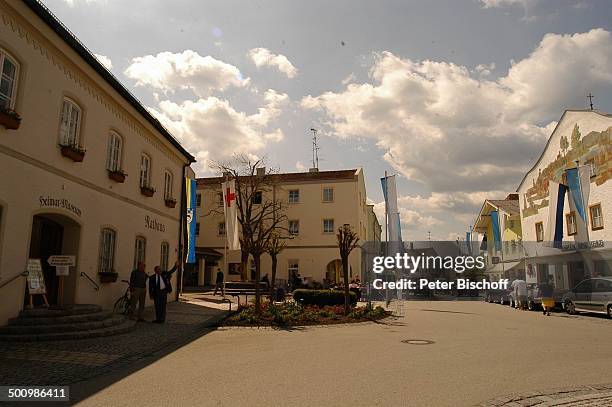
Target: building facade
581, 138
88, 172
316, 203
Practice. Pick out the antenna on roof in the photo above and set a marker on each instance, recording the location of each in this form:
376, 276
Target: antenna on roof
590, 96
315, 151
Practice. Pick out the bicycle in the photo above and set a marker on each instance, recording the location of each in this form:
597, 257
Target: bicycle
122, 305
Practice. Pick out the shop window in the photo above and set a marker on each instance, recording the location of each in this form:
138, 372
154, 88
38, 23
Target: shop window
107, 250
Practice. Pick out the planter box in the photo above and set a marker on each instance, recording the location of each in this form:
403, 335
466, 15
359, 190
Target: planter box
147, 191
76, 154
117, 176
170, 202
108, 277
9, 121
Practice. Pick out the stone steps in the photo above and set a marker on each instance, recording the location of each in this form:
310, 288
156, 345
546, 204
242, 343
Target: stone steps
62, 323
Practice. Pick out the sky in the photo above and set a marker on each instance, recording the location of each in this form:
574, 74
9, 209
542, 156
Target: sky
456, 97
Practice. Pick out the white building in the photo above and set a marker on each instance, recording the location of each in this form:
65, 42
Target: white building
88, 172
584, 138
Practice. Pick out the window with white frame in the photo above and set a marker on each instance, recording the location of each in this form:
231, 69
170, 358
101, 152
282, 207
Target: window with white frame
145, 171
113, 158
328, 195
571, 223
539, 229
164, 255
140, 250
328, 226
294, 227
107, 250
70, 123
167, 185
8, 80
596, 217
293, 267
294, 195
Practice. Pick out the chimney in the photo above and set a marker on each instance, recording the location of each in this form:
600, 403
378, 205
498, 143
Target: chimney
261, 171
512, 197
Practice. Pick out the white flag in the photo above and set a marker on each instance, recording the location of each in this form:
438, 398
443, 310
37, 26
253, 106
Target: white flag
231, 214
390, 193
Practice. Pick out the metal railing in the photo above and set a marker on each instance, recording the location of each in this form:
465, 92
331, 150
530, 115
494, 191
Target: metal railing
15, 277
96, 286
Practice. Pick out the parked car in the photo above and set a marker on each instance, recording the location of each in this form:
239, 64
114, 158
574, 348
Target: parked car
590, 295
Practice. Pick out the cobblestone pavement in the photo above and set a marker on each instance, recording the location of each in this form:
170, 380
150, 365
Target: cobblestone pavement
582, 396
70, 361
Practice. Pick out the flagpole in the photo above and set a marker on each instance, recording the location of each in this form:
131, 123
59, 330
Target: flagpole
386, 191
225, 270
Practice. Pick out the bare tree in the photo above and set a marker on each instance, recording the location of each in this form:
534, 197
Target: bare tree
347, 241
260, 213
275, 246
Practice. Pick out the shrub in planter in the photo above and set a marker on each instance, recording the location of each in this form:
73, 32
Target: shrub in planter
322, 298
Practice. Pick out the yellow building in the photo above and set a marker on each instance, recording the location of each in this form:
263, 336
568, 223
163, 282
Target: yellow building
88, 172
506, 260
317, 203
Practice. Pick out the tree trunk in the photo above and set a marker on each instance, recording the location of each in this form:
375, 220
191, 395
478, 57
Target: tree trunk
347, 295
257, 260
273, 280
244, 259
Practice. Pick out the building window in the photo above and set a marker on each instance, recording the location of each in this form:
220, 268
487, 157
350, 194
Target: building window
220, 198
197, 231
328, 195
293, 267
328, 226
539, 229
145, 171
221, 229
167, 185
198, 200
294, 227
596, 217
256, 198
8, 81
140, 250
570, 220
70, 124
163, 256
107, 250
113, 158
294, 195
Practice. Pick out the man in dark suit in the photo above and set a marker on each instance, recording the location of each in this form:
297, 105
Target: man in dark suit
159, 288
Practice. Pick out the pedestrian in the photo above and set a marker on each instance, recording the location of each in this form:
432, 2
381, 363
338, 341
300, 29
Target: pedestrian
159, 288
547, 292
138, 291
520, 293
219, 283
265, 279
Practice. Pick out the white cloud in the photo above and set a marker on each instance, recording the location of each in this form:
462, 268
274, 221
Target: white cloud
214, 130
506, 3
300, 166
350, 78
168, 71
263, 57
460, 134
104, 60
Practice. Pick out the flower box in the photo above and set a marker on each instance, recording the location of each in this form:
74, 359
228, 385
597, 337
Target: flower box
117, 176
108, 277
147, 191
10, 119
75, 153
170, 202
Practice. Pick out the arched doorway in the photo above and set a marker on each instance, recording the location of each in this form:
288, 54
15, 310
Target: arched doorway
54, 234
334, 271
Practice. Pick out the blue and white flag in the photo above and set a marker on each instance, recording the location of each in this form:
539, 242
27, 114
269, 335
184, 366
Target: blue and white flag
190, 189
578, 182
556, 201
496, 230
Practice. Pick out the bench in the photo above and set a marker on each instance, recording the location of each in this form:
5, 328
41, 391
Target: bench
246, 288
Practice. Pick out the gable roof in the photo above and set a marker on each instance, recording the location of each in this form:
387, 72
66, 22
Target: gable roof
294, 177
69, 38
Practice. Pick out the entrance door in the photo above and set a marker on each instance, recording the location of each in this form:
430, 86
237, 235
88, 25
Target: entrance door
46, 241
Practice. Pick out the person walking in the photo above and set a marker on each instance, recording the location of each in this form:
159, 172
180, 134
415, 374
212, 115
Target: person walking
159, 288
219, 283
548, 301
138, 291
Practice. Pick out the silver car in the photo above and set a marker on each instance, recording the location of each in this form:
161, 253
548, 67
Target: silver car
591, 295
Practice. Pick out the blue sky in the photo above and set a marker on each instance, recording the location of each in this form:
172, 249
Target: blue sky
457, 97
